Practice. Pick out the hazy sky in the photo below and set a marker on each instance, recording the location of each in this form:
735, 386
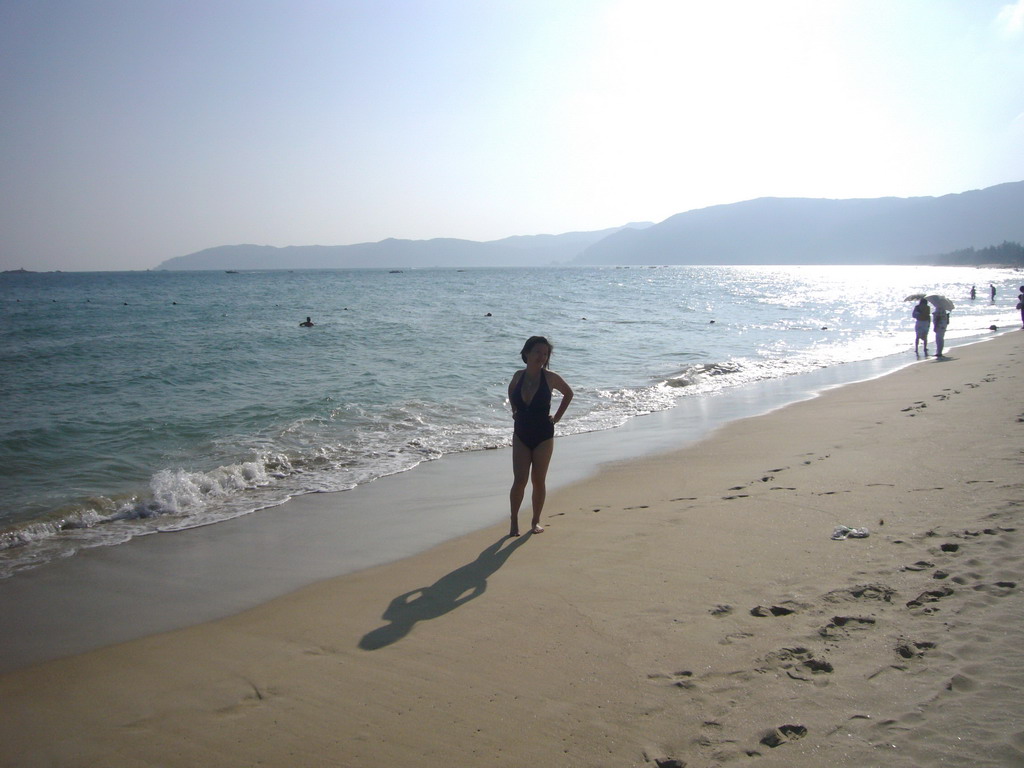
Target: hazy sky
137, 130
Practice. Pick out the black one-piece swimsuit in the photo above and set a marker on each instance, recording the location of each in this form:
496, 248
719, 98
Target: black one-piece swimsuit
533, 419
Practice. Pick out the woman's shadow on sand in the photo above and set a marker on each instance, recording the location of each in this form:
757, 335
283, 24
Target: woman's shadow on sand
444, 595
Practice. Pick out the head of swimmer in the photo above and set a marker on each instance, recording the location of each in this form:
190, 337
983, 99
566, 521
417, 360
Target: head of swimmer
538, 350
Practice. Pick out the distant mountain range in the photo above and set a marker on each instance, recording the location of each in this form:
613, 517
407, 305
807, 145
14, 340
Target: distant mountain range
770, 230
767, 230
520, 250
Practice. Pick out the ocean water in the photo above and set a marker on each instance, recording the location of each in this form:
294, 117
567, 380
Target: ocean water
139, 402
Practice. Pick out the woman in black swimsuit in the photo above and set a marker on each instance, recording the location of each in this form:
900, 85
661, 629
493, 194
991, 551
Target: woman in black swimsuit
529, 392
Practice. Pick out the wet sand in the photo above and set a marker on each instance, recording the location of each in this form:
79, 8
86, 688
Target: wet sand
684, 608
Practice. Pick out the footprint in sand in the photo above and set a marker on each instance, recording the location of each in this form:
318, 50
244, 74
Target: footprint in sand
817, 458
774, 610
999, 589
961, 684
880, 592
818, 666
712, 738
840, 626
968, 577
796, 662
930, 596
885, 729
920, 565
776, 737
732, 637
680, 679
908, 649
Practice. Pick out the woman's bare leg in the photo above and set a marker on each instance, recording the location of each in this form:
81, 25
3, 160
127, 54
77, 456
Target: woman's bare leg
538, 477
521, 460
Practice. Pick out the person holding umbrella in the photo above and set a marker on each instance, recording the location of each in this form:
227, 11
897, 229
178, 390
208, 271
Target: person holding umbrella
940, 321
922, 316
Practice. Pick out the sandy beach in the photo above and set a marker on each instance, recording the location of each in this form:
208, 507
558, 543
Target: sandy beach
685, 609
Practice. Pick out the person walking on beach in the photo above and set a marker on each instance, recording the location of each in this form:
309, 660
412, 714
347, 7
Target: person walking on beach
1020, 305
940, 321
922, 317
529, 394
974, 292
992, 291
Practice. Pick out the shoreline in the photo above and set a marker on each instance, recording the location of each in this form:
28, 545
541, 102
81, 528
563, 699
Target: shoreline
686, 606
163, 582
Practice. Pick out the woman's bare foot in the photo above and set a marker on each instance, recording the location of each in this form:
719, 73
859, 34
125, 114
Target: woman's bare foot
513, 533
537, 529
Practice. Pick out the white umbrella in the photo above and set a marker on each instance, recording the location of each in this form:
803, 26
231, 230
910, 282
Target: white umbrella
941, 302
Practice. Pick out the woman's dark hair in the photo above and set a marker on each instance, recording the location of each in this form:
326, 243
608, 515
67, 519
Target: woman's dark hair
532, 342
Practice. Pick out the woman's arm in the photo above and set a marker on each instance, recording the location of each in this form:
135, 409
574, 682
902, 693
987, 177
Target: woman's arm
557, 382
511, 389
